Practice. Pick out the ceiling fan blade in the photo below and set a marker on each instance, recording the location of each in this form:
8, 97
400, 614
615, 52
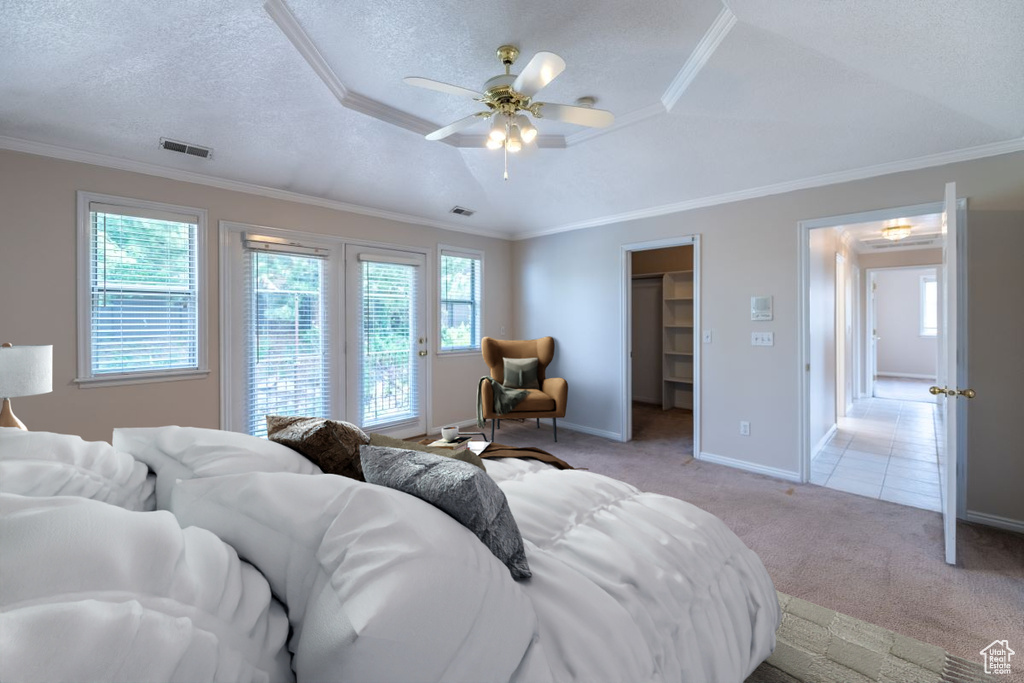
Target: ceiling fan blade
581, 116
442, 133
442, 87
541, 70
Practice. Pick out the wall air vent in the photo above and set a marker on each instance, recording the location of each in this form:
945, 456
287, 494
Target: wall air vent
462, 211
186, 148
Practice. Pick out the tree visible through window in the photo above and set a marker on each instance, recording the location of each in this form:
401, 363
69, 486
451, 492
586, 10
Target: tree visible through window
143, 314
460, 301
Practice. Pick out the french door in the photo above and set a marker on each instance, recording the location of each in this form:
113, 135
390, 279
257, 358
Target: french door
387, 340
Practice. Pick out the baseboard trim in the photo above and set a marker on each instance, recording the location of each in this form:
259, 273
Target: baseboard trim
823, 440
749, 466
603, 433
651, 401
996, 521
906, 375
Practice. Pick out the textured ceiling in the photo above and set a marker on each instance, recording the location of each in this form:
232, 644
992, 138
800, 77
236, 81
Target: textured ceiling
795, 90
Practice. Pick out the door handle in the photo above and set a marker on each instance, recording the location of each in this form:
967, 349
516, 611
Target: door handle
966, 393
423, 353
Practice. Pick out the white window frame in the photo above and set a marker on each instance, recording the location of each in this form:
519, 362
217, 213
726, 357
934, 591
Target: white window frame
233, 332
922, 330
86, 378
461, 252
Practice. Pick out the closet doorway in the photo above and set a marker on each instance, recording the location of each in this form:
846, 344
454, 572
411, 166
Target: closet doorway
660, 331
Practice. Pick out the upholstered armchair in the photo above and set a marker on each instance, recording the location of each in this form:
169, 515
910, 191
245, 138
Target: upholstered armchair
548, 401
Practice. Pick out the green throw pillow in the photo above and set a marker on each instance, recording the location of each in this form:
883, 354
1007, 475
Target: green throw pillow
464, 455
521, 373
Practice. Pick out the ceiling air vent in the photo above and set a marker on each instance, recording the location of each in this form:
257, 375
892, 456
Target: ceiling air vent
186, 148
462, 211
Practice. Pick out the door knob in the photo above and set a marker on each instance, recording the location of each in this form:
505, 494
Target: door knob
966, 393
423, 353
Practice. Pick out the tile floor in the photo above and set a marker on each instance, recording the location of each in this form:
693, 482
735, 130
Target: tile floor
884, 449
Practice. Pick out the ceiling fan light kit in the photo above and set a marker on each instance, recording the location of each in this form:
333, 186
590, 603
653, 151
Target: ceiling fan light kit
508, 98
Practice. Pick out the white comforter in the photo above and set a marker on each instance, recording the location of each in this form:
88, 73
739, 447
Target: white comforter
379, 585
632, 586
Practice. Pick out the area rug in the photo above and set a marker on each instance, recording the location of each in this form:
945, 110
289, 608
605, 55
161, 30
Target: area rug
819, 645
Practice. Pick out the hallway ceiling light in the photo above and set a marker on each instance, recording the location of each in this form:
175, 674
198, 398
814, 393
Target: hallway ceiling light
896, 232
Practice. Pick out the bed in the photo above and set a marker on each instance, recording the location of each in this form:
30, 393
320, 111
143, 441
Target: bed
193, 554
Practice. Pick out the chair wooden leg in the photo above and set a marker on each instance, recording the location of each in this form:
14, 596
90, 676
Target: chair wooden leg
492, 428
538, 423
554, 423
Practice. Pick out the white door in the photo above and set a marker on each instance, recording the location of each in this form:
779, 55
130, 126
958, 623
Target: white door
947, 392
387, 340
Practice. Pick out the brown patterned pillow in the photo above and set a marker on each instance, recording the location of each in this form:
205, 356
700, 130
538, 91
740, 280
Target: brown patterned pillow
332, 445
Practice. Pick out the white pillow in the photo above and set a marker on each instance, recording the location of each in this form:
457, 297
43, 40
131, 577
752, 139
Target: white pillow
186, 452
46, 464
94, 592
379, 585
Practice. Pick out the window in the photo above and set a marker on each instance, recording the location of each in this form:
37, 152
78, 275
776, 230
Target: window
141, 297
929, 306
287, 355
460, 287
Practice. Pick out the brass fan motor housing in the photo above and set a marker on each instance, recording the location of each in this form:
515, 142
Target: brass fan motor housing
507, 55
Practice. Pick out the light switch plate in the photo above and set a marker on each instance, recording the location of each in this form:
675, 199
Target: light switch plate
762, 339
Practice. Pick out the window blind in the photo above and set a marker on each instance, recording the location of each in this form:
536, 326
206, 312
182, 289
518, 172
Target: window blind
460, 301
143, 291
388, 372
288, 362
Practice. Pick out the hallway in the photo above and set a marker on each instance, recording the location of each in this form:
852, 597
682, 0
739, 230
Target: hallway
885, 449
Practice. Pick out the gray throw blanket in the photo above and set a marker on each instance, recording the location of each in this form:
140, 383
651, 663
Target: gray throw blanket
504, 399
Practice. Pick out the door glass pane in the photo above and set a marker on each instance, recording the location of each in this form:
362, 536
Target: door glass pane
388, 346
288, 362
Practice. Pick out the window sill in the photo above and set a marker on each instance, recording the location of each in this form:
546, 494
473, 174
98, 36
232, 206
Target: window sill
139, 378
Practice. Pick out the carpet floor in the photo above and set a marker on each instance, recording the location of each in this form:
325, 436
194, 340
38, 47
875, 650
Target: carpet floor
873, 560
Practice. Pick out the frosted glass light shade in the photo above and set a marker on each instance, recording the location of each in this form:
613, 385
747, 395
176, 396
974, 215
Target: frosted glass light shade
26, 370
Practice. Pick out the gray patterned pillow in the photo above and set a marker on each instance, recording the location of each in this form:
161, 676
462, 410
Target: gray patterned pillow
465, 492
332, 445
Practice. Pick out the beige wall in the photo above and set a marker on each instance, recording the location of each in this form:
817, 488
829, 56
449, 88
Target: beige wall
570, 284
995, 366
895, 259
902, 351
38, 281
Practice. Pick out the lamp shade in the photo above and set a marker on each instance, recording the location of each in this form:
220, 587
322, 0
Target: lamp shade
25, 370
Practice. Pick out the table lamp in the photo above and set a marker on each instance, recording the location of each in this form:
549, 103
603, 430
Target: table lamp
24, 371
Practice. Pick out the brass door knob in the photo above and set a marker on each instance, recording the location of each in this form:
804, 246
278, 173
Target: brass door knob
940, 391
423, 353
967, 393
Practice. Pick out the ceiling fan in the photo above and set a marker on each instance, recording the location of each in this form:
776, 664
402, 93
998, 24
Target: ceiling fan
508, 98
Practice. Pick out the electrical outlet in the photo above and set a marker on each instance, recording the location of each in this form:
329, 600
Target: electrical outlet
762, 339
707, 336
744, 428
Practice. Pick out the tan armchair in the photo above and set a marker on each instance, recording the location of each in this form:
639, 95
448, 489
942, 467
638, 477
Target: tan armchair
548, 401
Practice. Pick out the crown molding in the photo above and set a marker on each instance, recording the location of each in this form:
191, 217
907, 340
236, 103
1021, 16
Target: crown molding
620, 123
118, 163
701, 55
918, 163
297, 36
